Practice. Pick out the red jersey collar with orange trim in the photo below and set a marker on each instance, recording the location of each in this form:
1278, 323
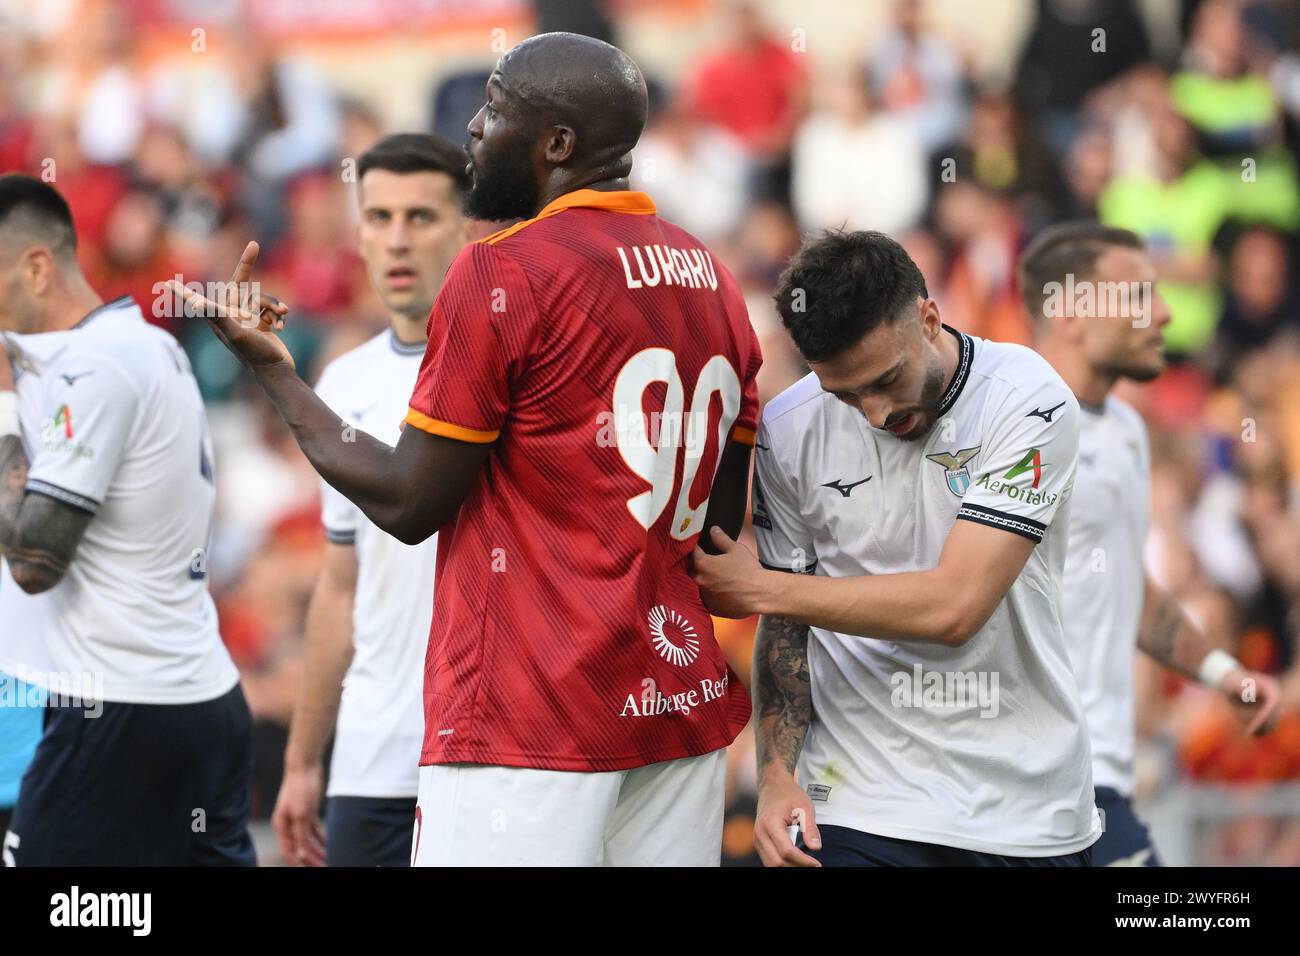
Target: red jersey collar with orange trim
614, 200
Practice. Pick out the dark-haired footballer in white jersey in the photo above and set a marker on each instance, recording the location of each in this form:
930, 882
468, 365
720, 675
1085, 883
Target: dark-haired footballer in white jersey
913, 670
146, 757
106, 504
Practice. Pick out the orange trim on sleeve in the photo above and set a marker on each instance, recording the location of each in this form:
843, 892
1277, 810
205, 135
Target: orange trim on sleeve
447, 430
745, 436
619, 200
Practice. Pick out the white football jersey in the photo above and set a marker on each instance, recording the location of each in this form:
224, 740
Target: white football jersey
980, 747
381, 717
1101, 606
113, 424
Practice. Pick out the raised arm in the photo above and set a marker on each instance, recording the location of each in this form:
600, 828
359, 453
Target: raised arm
410, 491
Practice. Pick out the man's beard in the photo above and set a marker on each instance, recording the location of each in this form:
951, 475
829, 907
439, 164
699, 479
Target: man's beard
1133, 371
504, 190
928, 406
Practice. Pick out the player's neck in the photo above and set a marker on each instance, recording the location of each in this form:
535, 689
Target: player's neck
1092, 388
1089, 385
408, 330
950, 356
552, 193
77, 301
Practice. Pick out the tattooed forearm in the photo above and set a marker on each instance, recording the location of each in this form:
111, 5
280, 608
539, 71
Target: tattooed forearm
38, 535
45, 541
13, 479
782, 691
1168, 636
1159, 629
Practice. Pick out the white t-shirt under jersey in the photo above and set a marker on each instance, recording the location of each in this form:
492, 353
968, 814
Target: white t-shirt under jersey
1101, 606
381, 716
983, 746
113, 424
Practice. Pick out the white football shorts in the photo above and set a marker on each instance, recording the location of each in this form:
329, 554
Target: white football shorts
662, 814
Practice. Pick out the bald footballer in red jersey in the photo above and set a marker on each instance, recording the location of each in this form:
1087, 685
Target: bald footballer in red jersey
585, 409
567, 628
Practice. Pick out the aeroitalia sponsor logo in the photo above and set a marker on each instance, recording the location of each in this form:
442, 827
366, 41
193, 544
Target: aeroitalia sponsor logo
1028, 495
63, 418
58, 434
1033, 461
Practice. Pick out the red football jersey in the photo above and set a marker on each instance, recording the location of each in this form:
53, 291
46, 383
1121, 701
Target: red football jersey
608, 358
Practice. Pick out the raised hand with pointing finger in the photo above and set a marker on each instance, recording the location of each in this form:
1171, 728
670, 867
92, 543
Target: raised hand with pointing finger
243, 318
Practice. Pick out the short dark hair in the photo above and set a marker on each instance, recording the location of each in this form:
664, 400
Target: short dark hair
28, 204
1067, 248
841, 286
418, 153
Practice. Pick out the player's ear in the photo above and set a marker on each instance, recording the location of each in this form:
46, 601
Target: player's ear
931, 323
561, 144
37, 267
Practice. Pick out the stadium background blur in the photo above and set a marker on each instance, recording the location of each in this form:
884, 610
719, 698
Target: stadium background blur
178, 129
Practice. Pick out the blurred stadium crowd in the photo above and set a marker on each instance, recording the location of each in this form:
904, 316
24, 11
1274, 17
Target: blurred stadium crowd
171, 166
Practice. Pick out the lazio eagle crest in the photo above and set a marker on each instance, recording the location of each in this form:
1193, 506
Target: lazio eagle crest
955, 469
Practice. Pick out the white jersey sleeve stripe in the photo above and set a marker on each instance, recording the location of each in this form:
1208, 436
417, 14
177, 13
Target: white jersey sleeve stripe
1025, 527
809, 569
50, 490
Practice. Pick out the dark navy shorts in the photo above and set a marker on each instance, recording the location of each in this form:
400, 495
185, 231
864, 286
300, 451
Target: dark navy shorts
1125, 841
138, 785
842, 846
369, 831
